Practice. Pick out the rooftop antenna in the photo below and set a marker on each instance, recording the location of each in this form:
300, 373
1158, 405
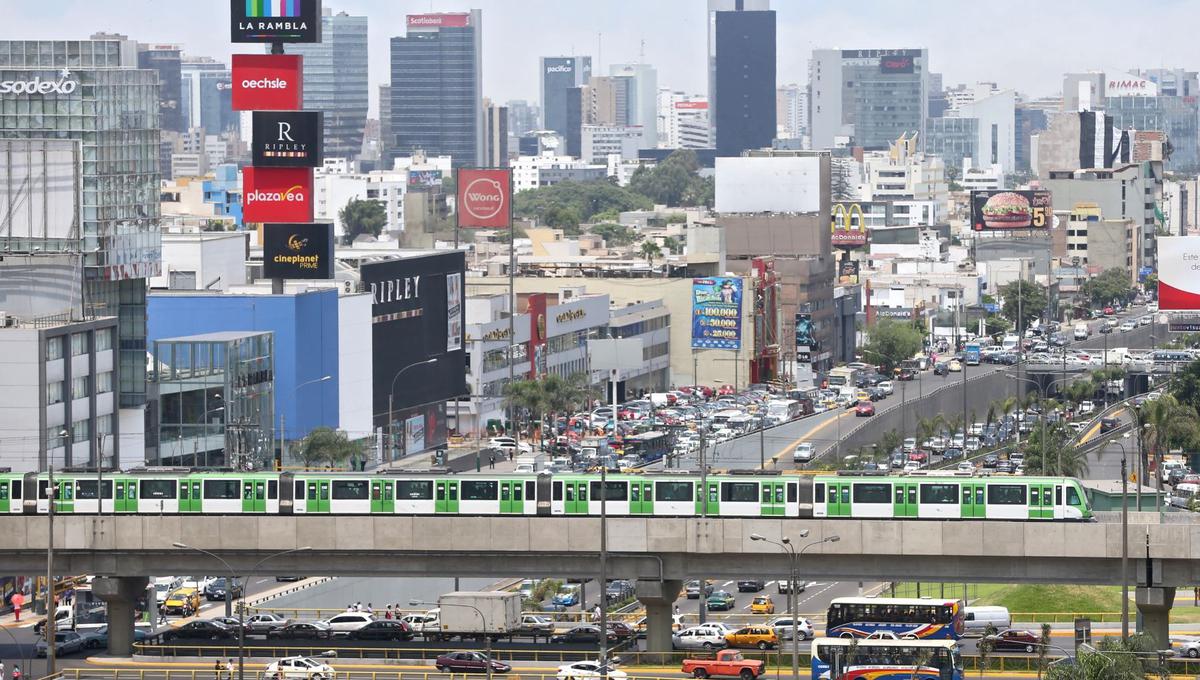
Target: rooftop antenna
642, 52
599, 51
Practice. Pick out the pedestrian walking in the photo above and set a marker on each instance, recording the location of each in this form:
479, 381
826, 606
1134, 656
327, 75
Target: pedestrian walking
491, 461
388, 613
16, 672
229, 668
217, 669
16, 613
162, 614
370, 609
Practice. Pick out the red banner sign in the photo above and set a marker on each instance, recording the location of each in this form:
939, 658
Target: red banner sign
454, 20
484, 198
268, 82
277, 194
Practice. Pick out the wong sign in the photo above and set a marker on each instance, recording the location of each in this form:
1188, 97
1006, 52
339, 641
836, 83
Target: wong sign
484, 198
717, 313
268, 82
277, 194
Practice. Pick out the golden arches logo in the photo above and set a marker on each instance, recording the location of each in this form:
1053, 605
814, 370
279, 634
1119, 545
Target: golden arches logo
848, 235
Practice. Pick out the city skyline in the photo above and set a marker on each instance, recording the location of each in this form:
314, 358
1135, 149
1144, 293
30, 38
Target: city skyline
1005, 52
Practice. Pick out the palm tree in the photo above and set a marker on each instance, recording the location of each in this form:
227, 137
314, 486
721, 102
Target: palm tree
650, 250
525, 398
1164, 421
890, 441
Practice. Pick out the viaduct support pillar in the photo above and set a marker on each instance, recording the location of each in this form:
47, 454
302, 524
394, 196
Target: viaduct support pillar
658, 597
1154, 606
121, 594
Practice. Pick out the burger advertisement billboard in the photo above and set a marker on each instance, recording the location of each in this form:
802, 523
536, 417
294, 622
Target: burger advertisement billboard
484, 198
277, 194
275, 21
298, 251
267, 82
1179, 273
287, 139
1007, 210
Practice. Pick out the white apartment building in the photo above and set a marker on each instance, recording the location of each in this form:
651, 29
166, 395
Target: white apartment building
683, 121
333, 190
981, 178
900, 175
791, 111
532, 172
598, 141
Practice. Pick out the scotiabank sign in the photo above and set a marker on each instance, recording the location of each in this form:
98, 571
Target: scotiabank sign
277, 194
267, 82
484, 198
458, 20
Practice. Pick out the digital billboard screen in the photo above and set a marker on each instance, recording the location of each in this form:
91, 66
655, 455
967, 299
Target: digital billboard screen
298, 251
413, 302
275, 21
717, 313
1006, 210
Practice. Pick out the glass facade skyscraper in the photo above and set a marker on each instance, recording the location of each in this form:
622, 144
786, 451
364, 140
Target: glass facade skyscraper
102, 99
742, 95
206, 96
869, 96
166, 60
437, 88
559, 76
1176, 116
335, 81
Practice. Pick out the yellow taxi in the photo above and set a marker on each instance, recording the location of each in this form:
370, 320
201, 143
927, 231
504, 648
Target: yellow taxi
862, 395
762, 604
184, 601
762, 637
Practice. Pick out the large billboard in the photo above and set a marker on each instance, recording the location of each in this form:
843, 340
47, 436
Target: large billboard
267, 82
484, 198
275, 21
1179, 273
287, 139
717, 313
298, 251
760, 184
277, 194
896, 63
1004, 210
412, 308
847, 233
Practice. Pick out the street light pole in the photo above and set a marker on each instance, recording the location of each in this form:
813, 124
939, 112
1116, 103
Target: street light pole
282, 435
242, 604
1124, 538
392, 393
785, 544
482, 619
1042, 416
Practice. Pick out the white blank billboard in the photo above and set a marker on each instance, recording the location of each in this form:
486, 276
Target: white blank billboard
780, 184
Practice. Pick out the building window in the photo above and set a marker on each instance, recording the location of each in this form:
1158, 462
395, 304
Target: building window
78, 344
54, 437
54, 348
81, 431
104, 339
54, 392
104, 382
79, 387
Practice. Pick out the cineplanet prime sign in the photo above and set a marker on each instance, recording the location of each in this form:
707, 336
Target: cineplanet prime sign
65, 84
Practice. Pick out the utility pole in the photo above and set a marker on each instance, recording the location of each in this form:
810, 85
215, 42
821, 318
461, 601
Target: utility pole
52, 492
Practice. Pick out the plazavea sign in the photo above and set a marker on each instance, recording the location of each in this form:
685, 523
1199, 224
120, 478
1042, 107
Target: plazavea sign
277, 194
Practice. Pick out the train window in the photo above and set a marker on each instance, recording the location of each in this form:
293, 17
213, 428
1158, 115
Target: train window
1046, 496
441, 492
504, 492
945, 494
3, 492
766, 493
966, 495
845, 493
376, 493
583, 492
272, 489
416, 490
312, 491
1073, 496
530, 490
820, 493
452, 489
739, 492
16, 488
979, 495
164, 488
1058, 495
516, 491
912, 495
215, 489
475, 490
248, 491
648, 493
85, 489
298, 492
617, 491
351, 490
872, 493
556, 492
673, 491
1034, 498
635, 494
42, 488
1006, 494
570, 493
779, 493
791, 493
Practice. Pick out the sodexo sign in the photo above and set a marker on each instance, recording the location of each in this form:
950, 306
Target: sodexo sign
64, 84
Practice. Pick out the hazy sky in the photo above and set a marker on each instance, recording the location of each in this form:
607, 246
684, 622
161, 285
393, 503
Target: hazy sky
1022, 44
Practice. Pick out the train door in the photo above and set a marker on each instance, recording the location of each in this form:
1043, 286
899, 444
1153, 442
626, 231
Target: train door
318, 496
838, 502
772, 498
512, 497
6, 488
1041, 501
254, 495
641, 498
65, 497
383, 497
189, 496
446, 497
905, 499
125, 496
714, 499
575, 497
973, 504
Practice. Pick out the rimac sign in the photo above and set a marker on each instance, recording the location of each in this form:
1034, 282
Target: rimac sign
287, 139
275, 21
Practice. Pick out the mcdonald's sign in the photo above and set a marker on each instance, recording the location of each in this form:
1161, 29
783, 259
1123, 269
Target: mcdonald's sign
848, 234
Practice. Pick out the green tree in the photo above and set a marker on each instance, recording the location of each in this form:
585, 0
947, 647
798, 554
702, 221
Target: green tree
362, 217
1028, 297
1150, 284
587, 201
1185, 385
890, 441
1112, 659
326, 445
614, 235
525, 398
650, 250
562, 217
673, 182
1061, 455
1166, 423
1107, 286
891, 342
671, 245
995, 324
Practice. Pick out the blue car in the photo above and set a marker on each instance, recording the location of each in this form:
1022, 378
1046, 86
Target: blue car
568, 597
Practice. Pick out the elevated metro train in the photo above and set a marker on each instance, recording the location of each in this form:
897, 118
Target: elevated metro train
666, 494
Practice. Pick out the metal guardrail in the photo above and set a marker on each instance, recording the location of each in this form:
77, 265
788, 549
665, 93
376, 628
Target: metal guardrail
210, 674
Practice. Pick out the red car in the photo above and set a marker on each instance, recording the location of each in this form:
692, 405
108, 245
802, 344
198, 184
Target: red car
469, 662
1019, 640
864, 408
920, 456
726, 389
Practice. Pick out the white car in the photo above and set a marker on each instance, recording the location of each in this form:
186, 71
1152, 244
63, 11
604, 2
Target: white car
300, 668
973, 444
887, 386
341, 625
912, 466
1128, 325
804, 453
909, 445
588, 669
966, 466
783, 628
507, 444
707, 636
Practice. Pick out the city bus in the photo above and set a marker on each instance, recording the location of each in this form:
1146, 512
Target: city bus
971, 353
883, 659
648, 446
921, 618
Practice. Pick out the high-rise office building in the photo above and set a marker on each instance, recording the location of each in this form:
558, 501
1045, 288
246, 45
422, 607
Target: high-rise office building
1172, 82
93, 92
206, 95
523, 117
495, 135
791, 111
335, 81
166, 60
643, 92
607, 100
437, 87
741, 83
559, 75
682, 121
385, 121
867, 97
